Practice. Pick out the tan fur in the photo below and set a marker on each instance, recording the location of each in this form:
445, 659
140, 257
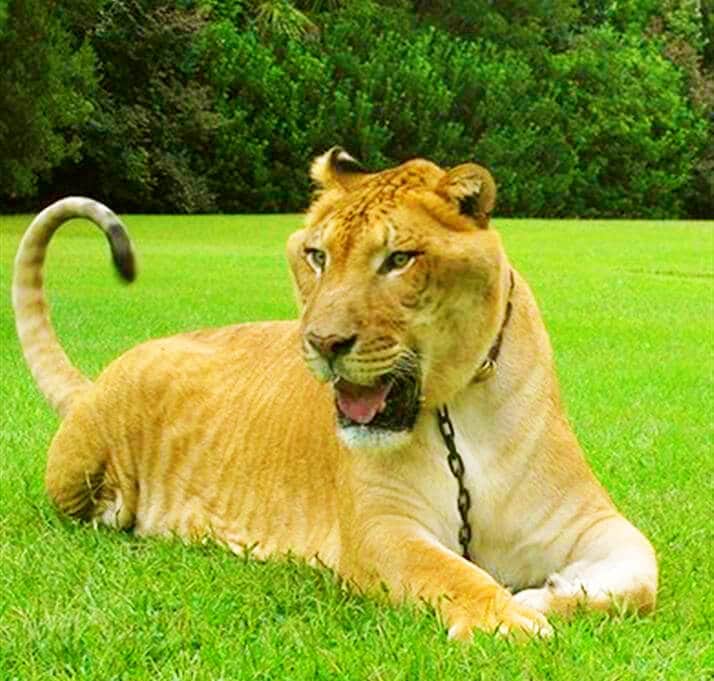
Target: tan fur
227, 434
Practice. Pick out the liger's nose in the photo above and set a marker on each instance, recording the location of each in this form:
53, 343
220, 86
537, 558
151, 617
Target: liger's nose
332, 346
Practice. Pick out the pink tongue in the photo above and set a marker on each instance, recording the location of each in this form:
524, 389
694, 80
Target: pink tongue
360, 403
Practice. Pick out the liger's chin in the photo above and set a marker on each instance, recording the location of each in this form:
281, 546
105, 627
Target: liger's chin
380, 416
375, 440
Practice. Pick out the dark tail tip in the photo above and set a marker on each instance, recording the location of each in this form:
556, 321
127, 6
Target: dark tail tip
122, 253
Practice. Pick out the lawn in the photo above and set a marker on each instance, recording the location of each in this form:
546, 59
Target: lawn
630, 309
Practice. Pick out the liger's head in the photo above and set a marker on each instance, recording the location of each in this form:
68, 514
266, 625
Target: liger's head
401, 287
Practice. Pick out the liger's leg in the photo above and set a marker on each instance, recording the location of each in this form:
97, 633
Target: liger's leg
613, 566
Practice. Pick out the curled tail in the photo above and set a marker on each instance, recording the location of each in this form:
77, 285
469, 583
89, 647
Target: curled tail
58, 379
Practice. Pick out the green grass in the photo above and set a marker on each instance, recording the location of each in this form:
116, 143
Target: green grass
630, 308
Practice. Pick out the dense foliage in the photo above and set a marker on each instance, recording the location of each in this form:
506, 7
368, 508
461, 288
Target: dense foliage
46, 76
581, 108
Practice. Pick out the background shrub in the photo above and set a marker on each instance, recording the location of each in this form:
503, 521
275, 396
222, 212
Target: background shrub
628, 121
46, 77
580, 108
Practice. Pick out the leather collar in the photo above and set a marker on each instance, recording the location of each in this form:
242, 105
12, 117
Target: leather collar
488, 366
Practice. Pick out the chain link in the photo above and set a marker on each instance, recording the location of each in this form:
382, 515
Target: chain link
446, 427
456, 466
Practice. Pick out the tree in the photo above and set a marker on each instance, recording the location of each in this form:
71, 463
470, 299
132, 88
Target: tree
630, 122
526, 25
149, 140
45, 81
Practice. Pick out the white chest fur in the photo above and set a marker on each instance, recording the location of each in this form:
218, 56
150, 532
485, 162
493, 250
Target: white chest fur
512, 535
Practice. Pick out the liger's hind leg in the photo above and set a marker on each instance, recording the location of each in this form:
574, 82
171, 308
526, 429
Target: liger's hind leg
79, 477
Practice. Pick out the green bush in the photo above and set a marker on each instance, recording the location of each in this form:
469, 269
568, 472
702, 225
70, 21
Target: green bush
264, 140
282, 101
386, 101
150, 140
608, 134
629, 123
45, 83
584, 109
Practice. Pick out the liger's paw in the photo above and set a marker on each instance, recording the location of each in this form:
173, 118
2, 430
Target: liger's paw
521, 619
558, 595
513, 618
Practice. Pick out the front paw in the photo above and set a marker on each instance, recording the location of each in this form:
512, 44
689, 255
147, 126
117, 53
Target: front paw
558, 595
509, 618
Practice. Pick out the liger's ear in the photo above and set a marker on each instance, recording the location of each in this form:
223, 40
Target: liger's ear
336, 168
472, 188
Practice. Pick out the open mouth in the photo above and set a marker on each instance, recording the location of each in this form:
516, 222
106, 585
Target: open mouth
391, 404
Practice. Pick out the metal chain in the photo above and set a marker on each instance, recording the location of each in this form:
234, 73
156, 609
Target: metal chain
456, 466
446, 427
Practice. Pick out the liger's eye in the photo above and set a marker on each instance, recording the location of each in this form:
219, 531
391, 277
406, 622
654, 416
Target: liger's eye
316, 258
398, 261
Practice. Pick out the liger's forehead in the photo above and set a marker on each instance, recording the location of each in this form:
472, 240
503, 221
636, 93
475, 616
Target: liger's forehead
376, 194
390, 209
368, 208
368, 227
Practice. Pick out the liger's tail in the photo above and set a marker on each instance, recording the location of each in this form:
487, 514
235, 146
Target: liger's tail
58, 379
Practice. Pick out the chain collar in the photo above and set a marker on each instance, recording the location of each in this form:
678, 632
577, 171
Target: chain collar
488, 366
456, 465
446, 428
